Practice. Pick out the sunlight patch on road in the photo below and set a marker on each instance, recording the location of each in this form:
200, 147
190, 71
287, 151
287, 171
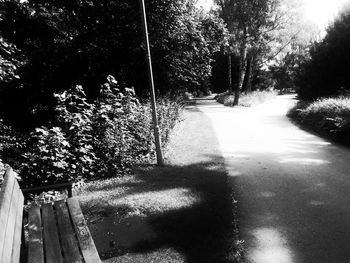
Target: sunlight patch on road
271, 247
236, 155
267, 194
234, 173
320, 143
316, 203
159, 201
308, 161
314, 188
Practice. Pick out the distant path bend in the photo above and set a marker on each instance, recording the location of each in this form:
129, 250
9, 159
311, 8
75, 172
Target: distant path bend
293, 188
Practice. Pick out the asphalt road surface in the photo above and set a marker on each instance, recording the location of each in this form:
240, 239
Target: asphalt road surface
293, 187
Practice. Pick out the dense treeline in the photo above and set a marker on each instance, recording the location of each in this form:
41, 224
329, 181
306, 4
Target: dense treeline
327, 71
59, 123
252, 26
51, 46
54, 55
320, 76
320, 69
59, 44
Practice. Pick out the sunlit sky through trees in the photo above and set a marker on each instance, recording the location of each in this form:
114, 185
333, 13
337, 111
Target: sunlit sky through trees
319, 12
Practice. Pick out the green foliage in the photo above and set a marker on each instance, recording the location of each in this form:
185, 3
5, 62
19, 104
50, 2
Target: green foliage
12, 144
285, 74
247, 100
9, 61
329, 117
326, 72
195, 39
7, 139
49, 160
98, 139
254, 27
119, 129
75, 116
69, 42
169, 111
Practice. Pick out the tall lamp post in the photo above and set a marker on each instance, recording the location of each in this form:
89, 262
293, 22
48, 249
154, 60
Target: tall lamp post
151, 83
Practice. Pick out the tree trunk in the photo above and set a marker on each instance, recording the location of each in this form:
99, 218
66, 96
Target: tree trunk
242, 71
250, 74
230, 90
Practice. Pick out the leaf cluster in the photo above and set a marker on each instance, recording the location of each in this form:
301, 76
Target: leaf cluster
89, 140
69, 42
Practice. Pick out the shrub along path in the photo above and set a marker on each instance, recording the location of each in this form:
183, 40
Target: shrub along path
182, 212
292, 187
2, 171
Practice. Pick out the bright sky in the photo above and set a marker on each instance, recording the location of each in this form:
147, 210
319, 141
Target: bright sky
320, 12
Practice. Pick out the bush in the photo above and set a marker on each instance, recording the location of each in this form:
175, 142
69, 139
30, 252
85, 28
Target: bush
12, 145
329, 117
286, 72
49, 159
104, 138
45, 49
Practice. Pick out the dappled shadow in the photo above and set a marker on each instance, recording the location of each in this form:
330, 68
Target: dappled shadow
294, 200
292, 187
204, 231
183, 212
293, 212
200, 225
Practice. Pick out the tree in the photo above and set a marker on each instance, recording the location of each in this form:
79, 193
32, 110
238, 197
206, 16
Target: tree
325, 73
260, 31
250, 24
292, 51
10, 61
80, 42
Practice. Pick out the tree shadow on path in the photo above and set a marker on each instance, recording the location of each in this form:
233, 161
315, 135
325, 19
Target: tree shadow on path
198, 222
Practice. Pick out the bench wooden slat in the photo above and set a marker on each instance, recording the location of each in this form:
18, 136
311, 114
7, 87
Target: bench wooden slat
86, 242
35, 241
56, 234
16, 247
10, 228
69, 244
5, 201
52, 244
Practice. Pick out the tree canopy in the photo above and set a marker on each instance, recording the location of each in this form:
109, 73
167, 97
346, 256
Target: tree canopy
253, 28
325, 73
63, 43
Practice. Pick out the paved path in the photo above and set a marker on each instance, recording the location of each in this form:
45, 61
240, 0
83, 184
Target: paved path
293, 188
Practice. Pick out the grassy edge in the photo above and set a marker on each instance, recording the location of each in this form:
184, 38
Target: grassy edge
247, 100
119, 198
312, 116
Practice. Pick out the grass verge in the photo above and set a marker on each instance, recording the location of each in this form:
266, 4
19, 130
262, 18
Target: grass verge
247, 100
168, 214
328, 117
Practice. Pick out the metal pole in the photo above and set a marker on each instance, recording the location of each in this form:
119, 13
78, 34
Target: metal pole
151, 83
230, 91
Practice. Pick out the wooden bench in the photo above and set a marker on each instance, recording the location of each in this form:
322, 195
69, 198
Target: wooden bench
11, 212
56, 233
